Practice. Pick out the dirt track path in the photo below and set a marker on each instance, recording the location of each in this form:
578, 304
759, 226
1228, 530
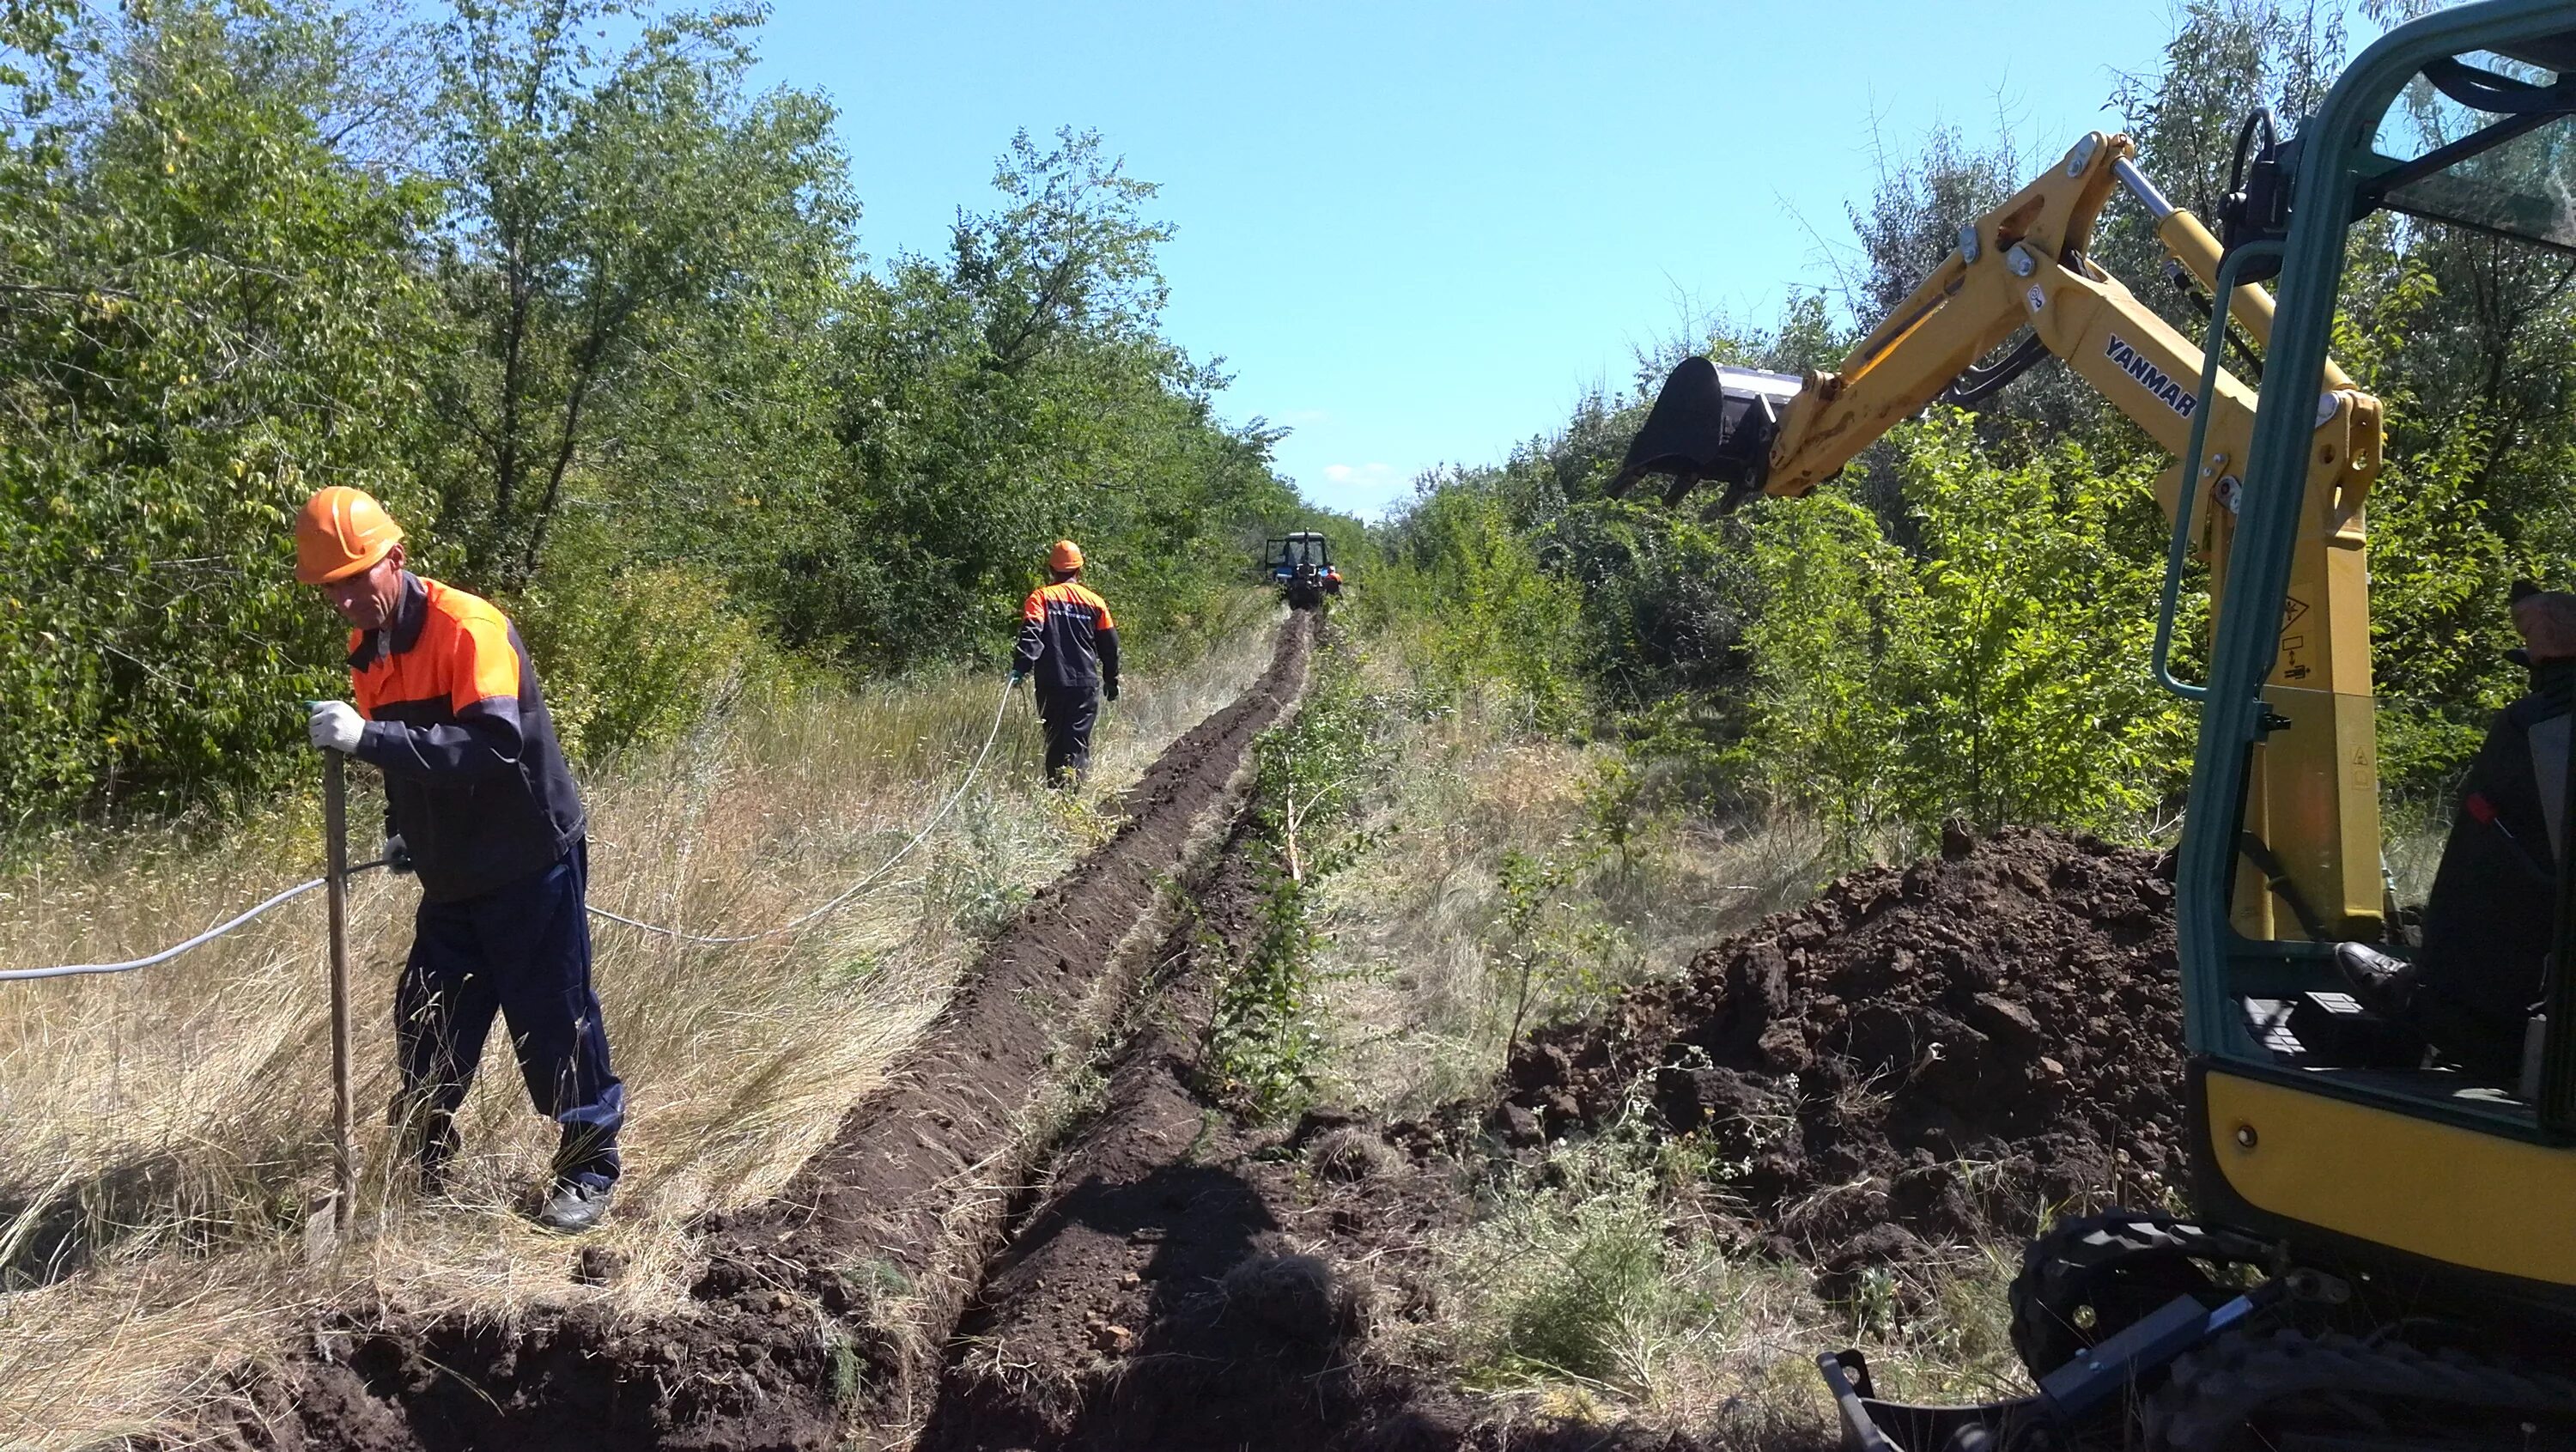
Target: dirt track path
821, 1319
1192, 1278
1191, 1281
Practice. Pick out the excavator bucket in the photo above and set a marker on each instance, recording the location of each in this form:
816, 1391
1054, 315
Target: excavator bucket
1710, 422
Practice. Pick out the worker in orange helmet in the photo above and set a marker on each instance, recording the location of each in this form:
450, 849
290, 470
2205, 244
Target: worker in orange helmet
478, 802
1069, 643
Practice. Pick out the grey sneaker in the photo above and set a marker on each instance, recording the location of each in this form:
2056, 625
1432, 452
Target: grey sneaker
575, 1207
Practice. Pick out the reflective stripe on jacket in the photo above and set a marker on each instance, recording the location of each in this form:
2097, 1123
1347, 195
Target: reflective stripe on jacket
1067, 639
474, 780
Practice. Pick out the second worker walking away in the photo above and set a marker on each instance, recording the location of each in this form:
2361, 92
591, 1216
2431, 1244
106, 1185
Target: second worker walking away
1068, 642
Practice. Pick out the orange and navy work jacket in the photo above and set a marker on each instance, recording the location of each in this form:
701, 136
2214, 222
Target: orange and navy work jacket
474, 780
1067, 639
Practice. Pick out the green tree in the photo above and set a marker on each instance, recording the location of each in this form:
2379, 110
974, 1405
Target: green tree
644, 257
1822, 735
1013, 391
1998, 674
1472, 587
2020, 669
208, 311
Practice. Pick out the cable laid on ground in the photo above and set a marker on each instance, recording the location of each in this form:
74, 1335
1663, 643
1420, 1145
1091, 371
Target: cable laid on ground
1000, 709
71, 970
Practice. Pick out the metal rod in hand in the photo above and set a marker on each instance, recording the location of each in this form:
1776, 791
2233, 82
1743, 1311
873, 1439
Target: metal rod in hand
335, 847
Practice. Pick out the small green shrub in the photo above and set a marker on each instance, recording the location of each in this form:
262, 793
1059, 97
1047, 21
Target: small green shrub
636, 657
1600, 1275
1266, 1042
1575, 1271
1554, 950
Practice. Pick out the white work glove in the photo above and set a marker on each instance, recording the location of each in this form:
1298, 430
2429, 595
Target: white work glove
335, 725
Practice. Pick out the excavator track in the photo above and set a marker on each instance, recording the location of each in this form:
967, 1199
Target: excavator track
2288, 1391
2087, 1280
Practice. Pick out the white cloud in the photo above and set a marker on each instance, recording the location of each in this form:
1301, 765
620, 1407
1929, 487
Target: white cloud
1374, 473
1368, 490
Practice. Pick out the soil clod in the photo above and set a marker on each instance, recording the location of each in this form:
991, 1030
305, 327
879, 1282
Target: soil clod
1922, 1056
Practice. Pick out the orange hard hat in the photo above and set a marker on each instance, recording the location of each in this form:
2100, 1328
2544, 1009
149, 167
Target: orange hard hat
1065, 556
340, 532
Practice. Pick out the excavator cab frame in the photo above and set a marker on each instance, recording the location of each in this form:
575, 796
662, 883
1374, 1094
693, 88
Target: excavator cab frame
2453, 1190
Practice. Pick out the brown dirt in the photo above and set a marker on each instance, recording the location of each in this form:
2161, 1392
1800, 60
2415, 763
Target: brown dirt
820, 1318
1169, 1291
1190, 1280
1924, 1056
1921, 1057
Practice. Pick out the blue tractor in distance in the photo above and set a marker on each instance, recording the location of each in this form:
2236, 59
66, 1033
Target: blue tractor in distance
1301, 565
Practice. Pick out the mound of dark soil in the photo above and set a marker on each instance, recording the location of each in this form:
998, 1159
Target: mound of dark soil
1923, 1055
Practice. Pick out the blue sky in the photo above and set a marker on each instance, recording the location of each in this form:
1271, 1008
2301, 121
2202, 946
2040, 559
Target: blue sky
1417, 232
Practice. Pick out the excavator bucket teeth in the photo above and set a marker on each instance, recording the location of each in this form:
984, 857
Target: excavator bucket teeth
1709, 422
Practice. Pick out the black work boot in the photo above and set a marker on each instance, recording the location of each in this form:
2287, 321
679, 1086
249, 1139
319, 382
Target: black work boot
574, 1206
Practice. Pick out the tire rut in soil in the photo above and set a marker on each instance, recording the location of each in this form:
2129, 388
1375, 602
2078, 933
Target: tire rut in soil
820, 1317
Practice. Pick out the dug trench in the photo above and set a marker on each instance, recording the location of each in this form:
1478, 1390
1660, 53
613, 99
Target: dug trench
1917, 1061
1188, 1280
1188, 1276
820, 1318
1921, 1059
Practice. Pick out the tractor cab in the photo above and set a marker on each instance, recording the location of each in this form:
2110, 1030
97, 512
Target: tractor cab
1301, 565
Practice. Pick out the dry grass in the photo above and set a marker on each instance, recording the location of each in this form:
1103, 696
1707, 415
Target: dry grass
162, 1132
1610, 1280
1600, 1285
1424, 990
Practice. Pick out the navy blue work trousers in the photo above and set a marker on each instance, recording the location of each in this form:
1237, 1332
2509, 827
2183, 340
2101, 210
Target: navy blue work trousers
522, 951
1067, 716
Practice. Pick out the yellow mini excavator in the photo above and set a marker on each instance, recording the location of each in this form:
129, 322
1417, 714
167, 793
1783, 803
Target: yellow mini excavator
2384, 1252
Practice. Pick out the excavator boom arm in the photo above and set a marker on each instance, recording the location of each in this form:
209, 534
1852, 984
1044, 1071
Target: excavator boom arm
2314, 806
